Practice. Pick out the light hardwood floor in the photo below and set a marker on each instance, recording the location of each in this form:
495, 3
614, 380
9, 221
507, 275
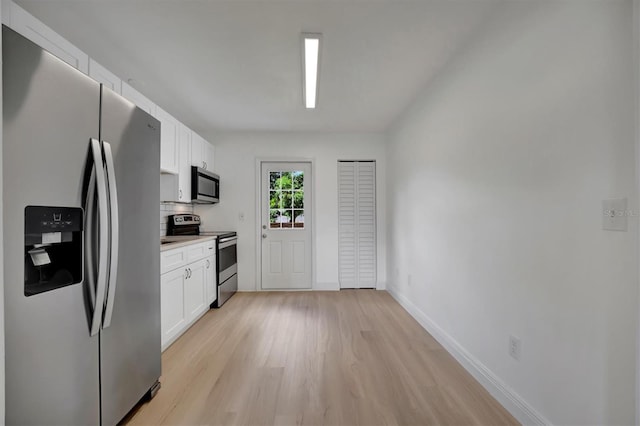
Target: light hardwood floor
311, 358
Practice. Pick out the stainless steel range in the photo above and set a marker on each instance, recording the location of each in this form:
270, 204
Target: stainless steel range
226, 252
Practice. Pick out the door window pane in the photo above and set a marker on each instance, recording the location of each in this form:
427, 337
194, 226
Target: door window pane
274, 180
298, 180
275, 199
273, 219
286, 200
298, 199
285, 180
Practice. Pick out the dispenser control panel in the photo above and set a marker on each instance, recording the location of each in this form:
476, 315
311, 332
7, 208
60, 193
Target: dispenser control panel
40, 219
53, 248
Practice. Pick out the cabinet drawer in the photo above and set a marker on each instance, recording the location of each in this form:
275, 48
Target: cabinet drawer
172, 259
199, 251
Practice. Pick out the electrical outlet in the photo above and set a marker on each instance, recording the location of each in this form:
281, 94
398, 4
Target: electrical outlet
515, 348
241, 216
409, 279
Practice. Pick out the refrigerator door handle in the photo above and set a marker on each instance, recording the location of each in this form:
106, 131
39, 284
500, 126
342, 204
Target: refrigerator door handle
90, 274
104, 236
113, 262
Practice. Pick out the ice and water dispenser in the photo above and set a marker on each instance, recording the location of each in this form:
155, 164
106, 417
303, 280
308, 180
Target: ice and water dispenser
53, 248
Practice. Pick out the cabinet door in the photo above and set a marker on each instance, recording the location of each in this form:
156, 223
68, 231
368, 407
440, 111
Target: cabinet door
212, 279
195, 290
104, 76
196, 150
24, 23
169, 145
138, 98
172, 305
184, 174
209, 156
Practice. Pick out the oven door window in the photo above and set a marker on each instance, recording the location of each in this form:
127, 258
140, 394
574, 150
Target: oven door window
227, 257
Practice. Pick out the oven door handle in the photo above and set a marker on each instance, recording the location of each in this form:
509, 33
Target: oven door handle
226, 242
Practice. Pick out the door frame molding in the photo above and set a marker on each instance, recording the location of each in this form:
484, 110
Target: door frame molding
258, 210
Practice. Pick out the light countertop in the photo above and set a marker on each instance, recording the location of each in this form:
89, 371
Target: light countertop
181, 241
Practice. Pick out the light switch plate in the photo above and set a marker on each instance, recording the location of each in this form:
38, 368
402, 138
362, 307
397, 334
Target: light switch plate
614, 214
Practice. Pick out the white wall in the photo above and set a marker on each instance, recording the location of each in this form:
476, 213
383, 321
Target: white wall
236, 156
496, 177
636, 57
2, 398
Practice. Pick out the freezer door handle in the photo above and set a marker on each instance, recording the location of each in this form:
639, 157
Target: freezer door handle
98, 167
113, 252
89, 214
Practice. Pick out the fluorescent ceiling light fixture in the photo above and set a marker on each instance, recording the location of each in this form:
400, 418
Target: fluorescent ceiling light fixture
311, 47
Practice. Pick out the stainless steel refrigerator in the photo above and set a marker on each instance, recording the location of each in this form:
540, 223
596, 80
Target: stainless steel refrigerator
81, 244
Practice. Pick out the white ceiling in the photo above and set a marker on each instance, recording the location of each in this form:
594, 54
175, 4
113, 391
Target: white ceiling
236, 64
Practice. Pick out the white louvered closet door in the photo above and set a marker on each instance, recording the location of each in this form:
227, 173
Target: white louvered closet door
357, 224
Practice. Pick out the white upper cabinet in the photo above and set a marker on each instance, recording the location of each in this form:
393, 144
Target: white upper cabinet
169, 142
24, 23
184, 173
202, 152
104, 76
209, 156
180, 147
196, 150
138, 98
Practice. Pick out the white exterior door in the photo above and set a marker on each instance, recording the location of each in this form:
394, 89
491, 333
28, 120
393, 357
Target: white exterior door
285, 227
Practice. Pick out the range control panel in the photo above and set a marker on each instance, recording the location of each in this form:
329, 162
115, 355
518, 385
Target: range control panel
186, 219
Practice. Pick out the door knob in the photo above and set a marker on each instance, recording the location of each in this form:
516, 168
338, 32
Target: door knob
264, 235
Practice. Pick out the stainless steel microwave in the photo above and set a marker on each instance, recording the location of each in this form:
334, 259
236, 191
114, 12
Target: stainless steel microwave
205, 186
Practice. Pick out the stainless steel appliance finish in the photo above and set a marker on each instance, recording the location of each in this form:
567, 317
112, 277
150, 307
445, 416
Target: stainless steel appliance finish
67, 141
226, 265
130, 343
205, 186
183, 224
226, 252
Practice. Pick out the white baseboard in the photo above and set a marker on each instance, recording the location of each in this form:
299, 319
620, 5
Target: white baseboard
326, 286
506, 396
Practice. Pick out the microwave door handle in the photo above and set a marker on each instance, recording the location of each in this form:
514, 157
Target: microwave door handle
113, 260
103, 212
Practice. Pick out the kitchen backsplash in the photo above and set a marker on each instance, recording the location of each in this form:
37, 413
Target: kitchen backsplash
167, 209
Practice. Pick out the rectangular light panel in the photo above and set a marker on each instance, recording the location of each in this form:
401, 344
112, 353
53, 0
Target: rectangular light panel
311, 56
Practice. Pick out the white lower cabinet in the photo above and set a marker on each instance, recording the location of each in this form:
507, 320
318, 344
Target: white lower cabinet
211, 280
172, 306
195, 290
188, 286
